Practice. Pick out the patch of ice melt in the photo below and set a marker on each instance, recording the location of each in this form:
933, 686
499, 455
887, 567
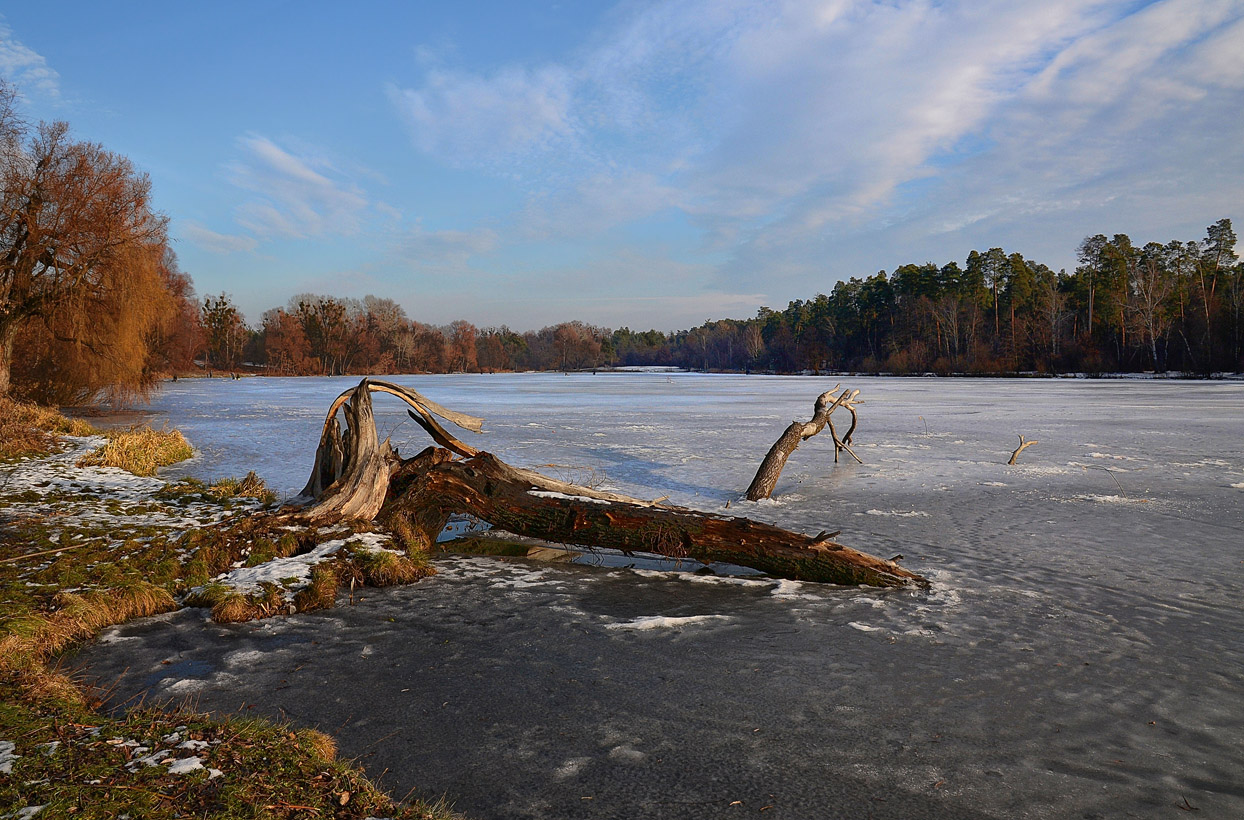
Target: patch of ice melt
1111, 456
898, 513
1110, 499
665, 622
991, 484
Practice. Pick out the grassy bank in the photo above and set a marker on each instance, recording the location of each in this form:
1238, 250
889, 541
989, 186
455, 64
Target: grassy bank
86, 542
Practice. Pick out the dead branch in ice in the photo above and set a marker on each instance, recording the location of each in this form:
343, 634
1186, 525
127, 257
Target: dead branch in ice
798, 431
1023, 445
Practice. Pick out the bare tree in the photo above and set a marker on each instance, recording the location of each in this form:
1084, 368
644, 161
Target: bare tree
79, 241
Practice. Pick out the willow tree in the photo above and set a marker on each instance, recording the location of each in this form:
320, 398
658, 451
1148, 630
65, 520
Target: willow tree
81, 251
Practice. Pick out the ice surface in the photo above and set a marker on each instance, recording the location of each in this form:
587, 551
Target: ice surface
1077, 656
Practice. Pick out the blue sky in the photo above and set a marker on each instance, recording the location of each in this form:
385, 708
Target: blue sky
640, 163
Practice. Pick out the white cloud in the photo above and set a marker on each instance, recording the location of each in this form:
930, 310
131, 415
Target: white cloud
26, 68
805, 140
215, 242
299, 195
470, 117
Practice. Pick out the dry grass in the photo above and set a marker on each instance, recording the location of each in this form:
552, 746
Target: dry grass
318, 744
381, 568
235, 607
321, 592
28, 429
220, 491
34, 638
140, 450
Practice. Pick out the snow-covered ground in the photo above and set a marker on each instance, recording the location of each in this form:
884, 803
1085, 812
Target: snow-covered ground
1078, 655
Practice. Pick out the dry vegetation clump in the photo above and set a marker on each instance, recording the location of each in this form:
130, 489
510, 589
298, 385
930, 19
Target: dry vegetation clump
28, 430
140, 450
384, 568
32, 639
220, 490
321, 591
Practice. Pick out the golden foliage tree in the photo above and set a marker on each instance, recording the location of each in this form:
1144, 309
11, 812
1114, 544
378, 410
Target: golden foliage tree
82, 292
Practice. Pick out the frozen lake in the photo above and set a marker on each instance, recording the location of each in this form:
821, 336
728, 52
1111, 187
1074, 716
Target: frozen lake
1079, 655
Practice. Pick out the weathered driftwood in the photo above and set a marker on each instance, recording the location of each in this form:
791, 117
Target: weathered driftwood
416, 496
1024, 444
771, 468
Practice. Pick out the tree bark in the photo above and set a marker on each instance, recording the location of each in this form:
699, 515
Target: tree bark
417, 496
436, 487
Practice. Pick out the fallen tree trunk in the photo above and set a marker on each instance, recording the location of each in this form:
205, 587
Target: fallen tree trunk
416, 497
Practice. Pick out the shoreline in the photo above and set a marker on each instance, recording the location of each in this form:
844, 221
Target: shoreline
87, 548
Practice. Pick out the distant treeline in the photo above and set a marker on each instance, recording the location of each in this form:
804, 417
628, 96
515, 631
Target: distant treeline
92, 302
1174, 306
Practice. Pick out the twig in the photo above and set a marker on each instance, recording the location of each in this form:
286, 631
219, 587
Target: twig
1023, 445
37, 554
1108, 472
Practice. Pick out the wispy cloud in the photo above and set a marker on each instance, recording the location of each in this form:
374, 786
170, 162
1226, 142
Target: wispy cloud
215, 242
26, 68
473, 118
797, 137
297, 195
445, 249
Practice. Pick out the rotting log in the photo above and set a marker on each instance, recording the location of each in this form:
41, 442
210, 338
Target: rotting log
771, 468
416, 497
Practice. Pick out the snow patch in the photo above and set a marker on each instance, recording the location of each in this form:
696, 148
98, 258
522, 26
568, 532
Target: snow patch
864, 627
665, 622
185, 765
898, 513
571, 767
547, 494
791, 590
7, 756
248, 579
